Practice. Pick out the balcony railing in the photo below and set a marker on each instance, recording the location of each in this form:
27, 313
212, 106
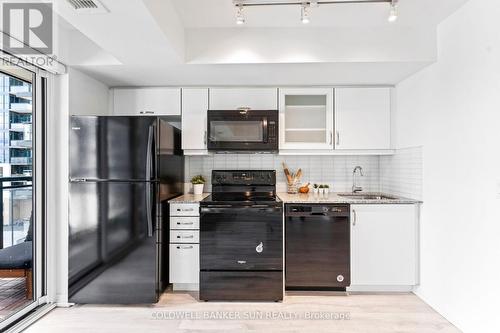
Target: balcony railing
21, 107
22, 91
21, 160
21, 127
15, 209
21, 143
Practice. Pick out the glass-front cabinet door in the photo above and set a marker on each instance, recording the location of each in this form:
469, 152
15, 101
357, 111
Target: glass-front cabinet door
306, 118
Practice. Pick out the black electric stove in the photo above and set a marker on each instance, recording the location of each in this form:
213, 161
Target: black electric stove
241, 238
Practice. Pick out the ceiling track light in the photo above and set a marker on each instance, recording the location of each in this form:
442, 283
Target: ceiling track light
304, 14
251, 3
393, 14
240, 16
306, 5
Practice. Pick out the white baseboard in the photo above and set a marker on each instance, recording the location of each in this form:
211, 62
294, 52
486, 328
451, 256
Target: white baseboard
381, 289
64, 304
186, 287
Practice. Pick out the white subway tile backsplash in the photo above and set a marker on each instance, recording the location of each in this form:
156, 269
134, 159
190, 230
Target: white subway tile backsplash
336, 171
399, 174
402, 173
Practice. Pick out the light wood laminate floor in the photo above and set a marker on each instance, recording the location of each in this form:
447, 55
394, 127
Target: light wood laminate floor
361, 313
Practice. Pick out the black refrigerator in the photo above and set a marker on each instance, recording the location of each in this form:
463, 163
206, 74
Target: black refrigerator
123, 170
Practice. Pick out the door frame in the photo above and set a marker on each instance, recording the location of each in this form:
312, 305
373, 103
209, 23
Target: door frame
42, 268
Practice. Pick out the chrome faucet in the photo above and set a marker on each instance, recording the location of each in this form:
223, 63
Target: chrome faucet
355, 187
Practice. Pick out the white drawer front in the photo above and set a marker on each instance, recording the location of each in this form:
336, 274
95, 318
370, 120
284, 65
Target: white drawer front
188, 222
184, 209
184, 236
184, 263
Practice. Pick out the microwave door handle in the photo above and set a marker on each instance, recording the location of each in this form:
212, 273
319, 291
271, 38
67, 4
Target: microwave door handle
265, 130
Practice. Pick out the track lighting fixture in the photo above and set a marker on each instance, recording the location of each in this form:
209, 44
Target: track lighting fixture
304, 13
306, 5
393, 14
240, 16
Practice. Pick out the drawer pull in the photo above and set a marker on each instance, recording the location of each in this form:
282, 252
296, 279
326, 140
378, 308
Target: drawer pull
241, 262
185, 223
181, 236
185, 247
185, 210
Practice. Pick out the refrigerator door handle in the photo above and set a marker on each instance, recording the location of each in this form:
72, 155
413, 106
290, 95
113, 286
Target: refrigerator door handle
149, 161
149, 214
149, 154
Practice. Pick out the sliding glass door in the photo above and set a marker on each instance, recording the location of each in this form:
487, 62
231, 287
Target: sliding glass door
22, 232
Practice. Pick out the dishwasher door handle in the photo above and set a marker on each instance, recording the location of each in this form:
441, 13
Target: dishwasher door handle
317, 214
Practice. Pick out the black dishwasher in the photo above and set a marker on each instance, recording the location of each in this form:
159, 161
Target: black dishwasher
317, 247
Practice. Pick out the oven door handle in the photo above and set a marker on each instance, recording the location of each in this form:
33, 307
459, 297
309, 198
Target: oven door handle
240, 209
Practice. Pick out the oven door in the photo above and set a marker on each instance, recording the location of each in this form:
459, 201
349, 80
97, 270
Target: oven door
241, 238
243, 130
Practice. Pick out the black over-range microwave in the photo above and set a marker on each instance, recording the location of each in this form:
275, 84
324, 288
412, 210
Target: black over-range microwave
242, 130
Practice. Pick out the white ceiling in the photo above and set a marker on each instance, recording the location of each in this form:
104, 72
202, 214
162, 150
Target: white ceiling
196, 42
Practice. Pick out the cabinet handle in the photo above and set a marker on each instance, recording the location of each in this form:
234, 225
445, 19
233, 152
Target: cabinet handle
355, 217
185, 210
338, 138
185, 247
205, 138
147, 112
331, 138
185, 237
185, 223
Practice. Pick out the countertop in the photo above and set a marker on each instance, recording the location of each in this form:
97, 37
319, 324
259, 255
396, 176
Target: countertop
190, 198
335, 198
310, 198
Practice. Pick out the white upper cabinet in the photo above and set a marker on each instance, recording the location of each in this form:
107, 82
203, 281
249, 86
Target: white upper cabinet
194, 119
363, 118
306, 118
384, 245
147, 102
234, 98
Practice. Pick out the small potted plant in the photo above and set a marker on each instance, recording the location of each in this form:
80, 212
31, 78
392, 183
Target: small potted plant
326, 189
198, 183
315, 188
321, 189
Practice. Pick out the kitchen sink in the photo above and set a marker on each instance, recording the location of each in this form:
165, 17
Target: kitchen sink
366, 196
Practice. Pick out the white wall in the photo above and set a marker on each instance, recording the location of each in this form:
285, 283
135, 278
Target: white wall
57, 186
87, 96
452, 109
298, 45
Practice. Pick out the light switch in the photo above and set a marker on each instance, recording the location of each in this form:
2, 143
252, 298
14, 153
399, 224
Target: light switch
498, 189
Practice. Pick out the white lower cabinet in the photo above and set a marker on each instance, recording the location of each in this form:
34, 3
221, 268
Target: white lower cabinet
384, 248
184, 263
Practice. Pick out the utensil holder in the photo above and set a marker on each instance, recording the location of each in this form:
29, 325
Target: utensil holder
292, 188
